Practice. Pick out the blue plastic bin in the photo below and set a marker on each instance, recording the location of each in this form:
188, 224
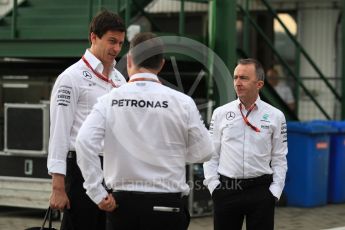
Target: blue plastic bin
308, 161
336, 179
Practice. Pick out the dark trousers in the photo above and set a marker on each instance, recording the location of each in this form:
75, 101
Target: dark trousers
250, 198
84, 214
149, 211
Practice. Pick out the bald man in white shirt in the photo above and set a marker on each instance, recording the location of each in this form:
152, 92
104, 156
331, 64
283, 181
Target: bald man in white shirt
246, 175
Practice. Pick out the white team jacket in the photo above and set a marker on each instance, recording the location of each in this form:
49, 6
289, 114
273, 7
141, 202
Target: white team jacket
150, 131
74, 93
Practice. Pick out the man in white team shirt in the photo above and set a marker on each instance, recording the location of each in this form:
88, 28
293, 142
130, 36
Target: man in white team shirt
75, 92
246, 175
150, 131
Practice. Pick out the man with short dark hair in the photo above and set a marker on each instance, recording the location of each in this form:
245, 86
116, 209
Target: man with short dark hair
150, 131
74, 93
246, 175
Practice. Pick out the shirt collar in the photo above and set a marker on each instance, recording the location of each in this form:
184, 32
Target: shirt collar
144, 75
94, 62
257, 102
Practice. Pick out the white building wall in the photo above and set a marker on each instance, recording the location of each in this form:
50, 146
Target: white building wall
316, 33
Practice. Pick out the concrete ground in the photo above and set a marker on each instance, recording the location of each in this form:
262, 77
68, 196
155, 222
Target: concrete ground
287, 218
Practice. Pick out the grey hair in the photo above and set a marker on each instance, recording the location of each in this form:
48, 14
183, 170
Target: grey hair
259, 70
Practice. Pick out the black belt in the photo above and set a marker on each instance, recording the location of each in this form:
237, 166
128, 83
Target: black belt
73, 155
265, 179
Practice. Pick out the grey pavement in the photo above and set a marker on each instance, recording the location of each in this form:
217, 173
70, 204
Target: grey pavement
287, 218
290, 218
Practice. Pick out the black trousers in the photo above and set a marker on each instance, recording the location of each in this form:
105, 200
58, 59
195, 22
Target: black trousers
149, 211
84, 214
250, 198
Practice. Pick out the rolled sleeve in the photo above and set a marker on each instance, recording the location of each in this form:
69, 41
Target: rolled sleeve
57, 166
63, 104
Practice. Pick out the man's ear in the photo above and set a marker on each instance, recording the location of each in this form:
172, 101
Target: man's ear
162, 64
129, 61
93, 37
260, 84
129, 64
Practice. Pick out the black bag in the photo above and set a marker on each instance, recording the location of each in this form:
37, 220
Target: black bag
48, 216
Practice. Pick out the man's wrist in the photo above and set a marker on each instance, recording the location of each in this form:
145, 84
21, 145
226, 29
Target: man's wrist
58, 182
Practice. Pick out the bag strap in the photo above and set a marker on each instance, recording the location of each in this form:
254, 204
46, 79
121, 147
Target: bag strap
50, 218
47, 216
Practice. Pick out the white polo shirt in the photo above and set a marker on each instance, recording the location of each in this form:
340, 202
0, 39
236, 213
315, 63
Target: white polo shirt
241, 152
74, 93
150, 131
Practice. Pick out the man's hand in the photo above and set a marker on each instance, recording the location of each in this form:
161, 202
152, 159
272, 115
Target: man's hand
58, 197
108, 203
